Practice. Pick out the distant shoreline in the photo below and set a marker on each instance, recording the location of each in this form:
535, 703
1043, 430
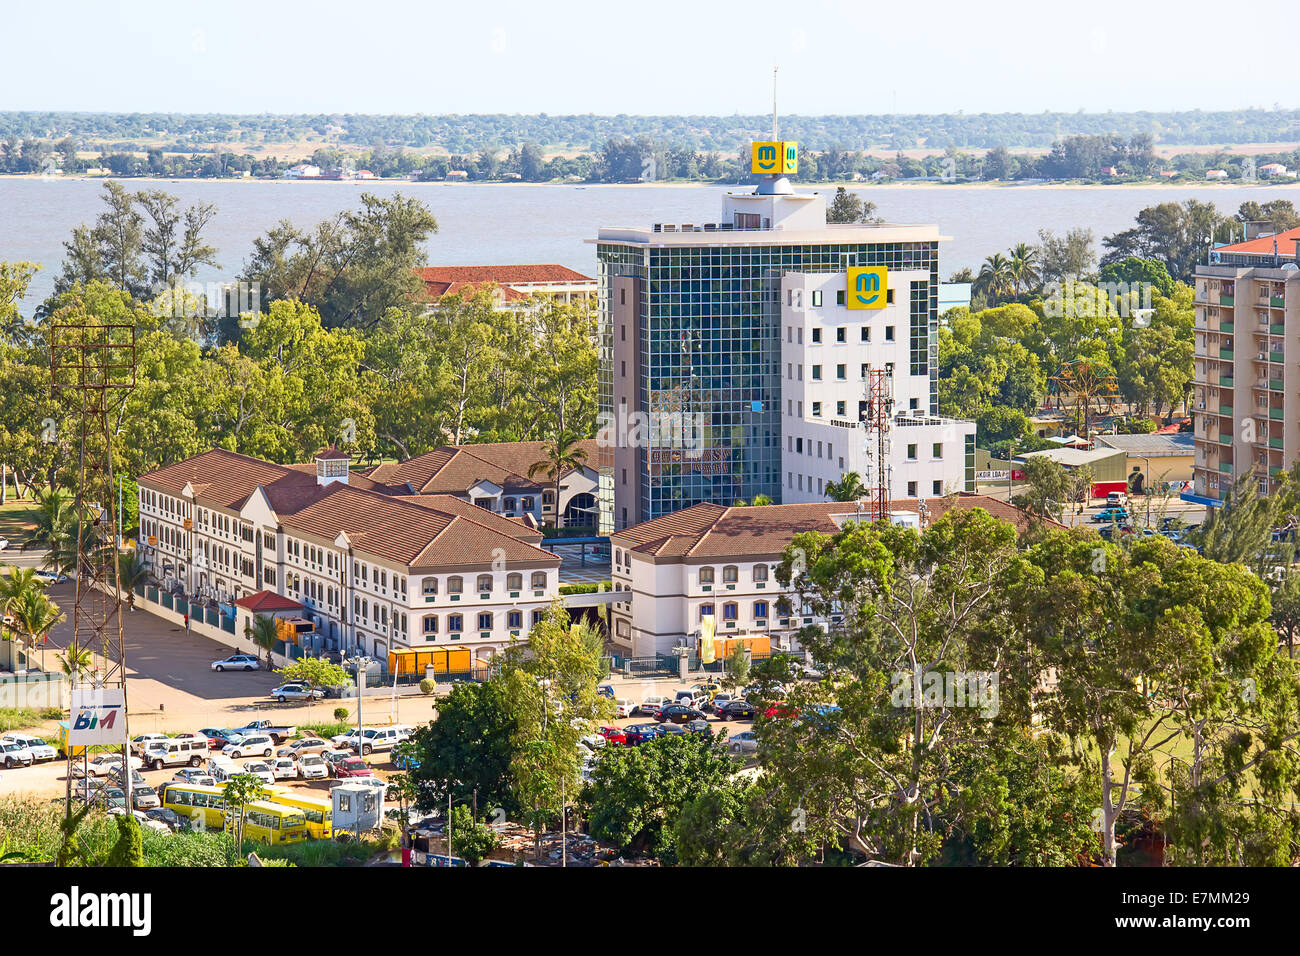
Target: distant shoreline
815, 187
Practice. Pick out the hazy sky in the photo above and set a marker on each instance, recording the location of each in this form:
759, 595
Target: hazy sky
636, 56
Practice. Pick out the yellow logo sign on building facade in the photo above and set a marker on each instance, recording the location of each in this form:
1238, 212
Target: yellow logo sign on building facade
868, 287
775, 159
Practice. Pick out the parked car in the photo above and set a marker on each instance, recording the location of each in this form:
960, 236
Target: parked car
172, 751
141, 743
4, 543
296, 691
737, 709
711, 705
277, 732
51, 577
352, 767
332, 757
111, 798
672, 730
260, 768
624, 707
252, 744
650, 706
168, 818
284, 768
304, 746
237, 662
679, 714
381, 738
1107, 515
218, 737
40, 750
613, 736
743, 743
641, 733
144, 797
194, 776
1116, 499
606, 690
312, 767
593, 742
699, 727
16, 754
101, 764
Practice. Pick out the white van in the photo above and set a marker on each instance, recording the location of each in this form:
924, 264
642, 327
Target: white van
40, 750
223, 768
174, 751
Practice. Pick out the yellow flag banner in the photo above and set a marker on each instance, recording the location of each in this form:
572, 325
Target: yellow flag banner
708, 626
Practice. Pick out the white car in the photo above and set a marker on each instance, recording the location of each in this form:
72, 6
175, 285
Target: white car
102, 764
296, 691
624, 707
141, 743
252, 744
313, 767
284, 768
373, 739
51, 577
259, 768
237, 662
16, 754
39, 748
593, 741
4, 543
651, 705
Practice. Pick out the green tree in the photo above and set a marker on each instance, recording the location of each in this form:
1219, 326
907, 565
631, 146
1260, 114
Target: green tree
472, 841
237, 793
261, 631
736, 668
563, 454
316, 671
468, 748
849, 207
128, 849
848, 488
1047, 486
636, 793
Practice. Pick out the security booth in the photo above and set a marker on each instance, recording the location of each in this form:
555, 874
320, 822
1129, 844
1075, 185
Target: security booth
358, 806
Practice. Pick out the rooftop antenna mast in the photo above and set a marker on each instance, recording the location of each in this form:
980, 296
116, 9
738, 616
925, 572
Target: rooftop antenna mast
775, 137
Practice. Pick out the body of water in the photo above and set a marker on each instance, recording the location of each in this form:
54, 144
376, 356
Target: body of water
516, 223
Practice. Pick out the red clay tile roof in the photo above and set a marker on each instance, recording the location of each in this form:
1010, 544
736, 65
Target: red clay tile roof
1263, 246
512, 279
455, 469
710, 530
268, 601
331, 453
429, 533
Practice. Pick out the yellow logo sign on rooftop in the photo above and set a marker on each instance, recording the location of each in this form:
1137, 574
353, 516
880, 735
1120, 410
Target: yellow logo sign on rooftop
775, 159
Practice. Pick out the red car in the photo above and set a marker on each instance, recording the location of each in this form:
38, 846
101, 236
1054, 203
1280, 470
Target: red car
352, 767
780, 709
614, 736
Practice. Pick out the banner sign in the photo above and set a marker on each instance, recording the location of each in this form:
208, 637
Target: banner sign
98, 716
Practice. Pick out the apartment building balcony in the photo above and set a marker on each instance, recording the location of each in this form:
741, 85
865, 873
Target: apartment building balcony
1276, 357
1275, 414
1227, 300
1227, 354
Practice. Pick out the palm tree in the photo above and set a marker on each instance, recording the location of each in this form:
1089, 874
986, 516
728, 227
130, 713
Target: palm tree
261, 631
994, 281
132, 571
76, 661
1023, 266
563, 455
55, 517
848, 488
34, 616
14, 583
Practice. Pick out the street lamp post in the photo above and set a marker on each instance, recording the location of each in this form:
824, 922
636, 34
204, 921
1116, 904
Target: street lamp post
1146, 486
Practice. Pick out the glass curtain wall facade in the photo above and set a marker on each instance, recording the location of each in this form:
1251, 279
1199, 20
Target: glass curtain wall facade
709, 346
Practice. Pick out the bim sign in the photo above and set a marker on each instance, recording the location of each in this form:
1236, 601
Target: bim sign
98, 716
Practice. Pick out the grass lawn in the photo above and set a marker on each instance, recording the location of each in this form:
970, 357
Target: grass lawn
15, 521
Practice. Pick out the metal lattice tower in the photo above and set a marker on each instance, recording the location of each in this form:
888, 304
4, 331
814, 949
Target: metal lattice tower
92, 367
879, 415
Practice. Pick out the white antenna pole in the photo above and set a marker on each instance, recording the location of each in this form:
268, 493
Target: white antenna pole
775, 137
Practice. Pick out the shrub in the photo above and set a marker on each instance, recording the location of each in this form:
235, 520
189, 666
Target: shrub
340, 713
427, 686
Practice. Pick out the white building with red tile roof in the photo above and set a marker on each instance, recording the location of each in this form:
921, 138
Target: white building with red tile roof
375, 570
714, 560
515, 283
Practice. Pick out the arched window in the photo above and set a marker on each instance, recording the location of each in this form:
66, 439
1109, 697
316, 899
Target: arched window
760, 572
539, 579
729, 611
760, 610
455, 584
430, 588
515, 619
485, 583
706, 575
730, 574
514, 581
485, 621
454, 624
705, 611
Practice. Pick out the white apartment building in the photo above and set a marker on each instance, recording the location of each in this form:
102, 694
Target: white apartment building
827, 353
713, 560
376, 572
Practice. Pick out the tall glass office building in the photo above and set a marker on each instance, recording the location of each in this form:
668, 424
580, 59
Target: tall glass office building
690, 380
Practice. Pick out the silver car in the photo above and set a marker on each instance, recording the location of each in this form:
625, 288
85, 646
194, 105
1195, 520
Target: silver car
296, 691
743, 743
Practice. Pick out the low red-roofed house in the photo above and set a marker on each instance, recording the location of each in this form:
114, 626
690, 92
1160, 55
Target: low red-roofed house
515, 284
